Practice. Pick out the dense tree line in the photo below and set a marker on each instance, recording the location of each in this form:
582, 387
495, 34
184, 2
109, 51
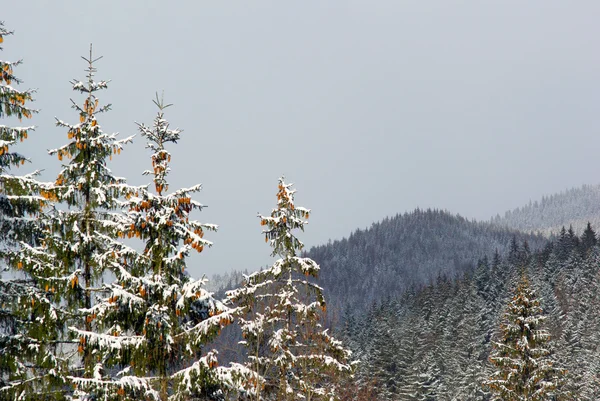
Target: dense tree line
406, 251
435, 343
574, 207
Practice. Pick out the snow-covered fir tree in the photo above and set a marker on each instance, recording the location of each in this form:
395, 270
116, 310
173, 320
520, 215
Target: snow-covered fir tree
28, 369
71, 260
524, 366
155, 320
16, 204
280, 312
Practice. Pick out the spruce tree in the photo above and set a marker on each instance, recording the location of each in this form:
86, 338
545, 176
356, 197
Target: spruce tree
524, 367
280, 309
28, 336
588, 239
17, 204
154, 321
78, 229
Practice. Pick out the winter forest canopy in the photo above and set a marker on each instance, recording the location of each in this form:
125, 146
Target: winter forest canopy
97, 302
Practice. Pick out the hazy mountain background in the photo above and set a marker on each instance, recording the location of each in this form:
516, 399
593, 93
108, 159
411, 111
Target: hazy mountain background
574, 207
406, 251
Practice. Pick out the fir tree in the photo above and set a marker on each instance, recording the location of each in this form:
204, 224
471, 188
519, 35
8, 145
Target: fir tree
28, 369
588, 239
291, 356
71, 260
155, 320
522, 356
16, 202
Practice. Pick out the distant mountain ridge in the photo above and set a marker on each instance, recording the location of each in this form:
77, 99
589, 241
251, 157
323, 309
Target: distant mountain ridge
406, 251
573, 207
409, 250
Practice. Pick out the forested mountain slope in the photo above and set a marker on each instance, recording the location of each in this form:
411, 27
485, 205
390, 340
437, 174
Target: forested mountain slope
574, 207
406, 251
434, 343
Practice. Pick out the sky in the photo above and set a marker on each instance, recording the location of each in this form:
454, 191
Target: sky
371, 108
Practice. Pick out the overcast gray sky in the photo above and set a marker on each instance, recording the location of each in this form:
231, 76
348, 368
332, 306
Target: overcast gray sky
370, 107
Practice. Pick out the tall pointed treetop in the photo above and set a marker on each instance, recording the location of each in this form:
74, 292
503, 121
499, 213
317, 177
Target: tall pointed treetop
283, 219
87, 179
522, 357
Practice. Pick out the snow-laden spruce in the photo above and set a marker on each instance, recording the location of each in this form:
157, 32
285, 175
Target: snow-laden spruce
28, 333
525, 370
17, 204
280, 309
154, 320
79, 225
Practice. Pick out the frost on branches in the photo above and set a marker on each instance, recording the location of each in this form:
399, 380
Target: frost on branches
28, 368
17, 204
69, 263
155, 319
290, 355
525, 371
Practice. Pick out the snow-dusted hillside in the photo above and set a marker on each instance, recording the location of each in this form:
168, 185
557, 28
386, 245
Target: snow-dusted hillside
406, 251
574, 207
434, 344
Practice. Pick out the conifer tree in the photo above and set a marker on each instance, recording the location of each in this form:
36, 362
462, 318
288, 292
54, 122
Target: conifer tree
524, 368
16, 202
588, 239
71, 260
28, 369
155, 320
280, 310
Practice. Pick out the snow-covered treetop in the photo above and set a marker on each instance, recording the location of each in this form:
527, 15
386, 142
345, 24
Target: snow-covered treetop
162, 219
87, 176
279, 225
18, 200
283, 219
524, 313
157, 136
6, 74
12, 103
